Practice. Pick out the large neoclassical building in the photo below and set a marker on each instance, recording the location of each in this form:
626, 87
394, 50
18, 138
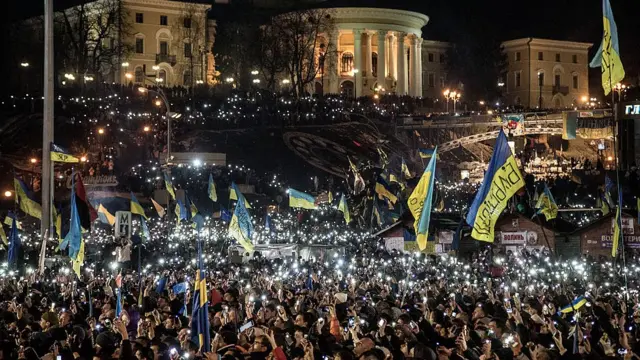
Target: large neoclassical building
374, 49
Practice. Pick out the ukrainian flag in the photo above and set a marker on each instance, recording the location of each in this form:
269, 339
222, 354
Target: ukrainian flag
169, 186
73, 239
23, 198
181, 211
382, 189
501, 181
233, 195
617, 234
342, 206
575, 305
420, 203
105, 216
240, 227
58, 154
200, 332
546, 205
404, 169
212, 189
608, 55
3, 236
136, 208
426, 153
298, 199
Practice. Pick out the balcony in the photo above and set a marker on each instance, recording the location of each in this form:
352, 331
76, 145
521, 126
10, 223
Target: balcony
170, 59
558, 89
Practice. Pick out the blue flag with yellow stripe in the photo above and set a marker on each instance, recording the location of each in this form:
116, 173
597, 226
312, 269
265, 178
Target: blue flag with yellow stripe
501, 181
420, 202
608, 55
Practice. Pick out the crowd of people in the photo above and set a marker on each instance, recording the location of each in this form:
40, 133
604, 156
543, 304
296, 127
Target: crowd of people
363, 302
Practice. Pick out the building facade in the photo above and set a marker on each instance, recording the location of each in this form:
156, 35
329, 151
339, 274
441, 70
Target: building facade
547, 74
376, 50
171, 43
434, 68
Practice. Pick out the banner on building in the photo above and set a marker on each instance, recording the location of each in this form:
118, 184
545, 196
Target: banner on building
627, 225
596, 124
513, 124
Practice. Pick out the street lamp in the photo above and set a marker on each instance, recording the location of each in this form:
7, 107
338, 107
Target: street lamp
169, 115
24, 64
100, 131
146, 128
33, 160
446, 96
254, 72
355, 83
128, 76
540, 81
228, 80
8, 193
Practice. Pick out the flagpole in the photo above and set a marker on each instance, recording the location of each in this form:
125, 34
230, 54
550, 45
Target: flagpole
615, 155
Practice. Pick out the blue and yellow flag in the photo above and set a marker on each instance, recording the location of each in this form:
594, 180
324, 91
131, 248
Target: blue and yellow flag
14, 244
608, 55
383, 190
575, 305
73, 239
58, 154
23, 198
200, 332
144, 230
105, 216
240, 227
426, 153
546, 205
501, 181
3, 236
420, 203
298, 199
169, 186
136, 208
604, 206
181, 211
342, 206
617, 234
234, 192
212, 189
404, 169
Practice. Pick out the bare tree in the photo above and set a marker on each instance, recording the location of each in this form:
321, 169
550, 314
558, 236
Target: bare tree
191, 24
91, 36
299, 35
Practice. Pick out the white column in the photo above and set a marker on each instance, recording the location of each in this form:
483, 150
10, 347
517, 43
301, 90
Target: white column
382, 57
420, 74
401, 86
332, 61
368, 55
357, 61
414, 73
393, 57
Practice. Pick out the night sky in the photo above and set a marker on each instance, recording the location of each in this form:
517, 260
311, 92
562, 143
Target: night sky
578, 20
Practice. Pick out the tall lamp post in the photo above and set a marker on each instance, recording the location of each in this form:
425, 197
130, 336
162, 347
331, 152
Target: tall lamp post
540, 81
452, 95
169, 115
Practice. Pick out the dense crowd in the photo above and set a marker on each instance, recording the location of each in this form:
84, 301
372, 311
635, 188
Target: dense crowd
364, 303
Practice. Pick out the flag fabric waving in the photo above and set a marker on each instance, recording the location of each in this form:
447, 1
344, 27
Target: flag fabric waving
73, 239
212, 189
105, 216
169, 186
574, 305
234, 193
383, 190
546, 205
342, 206
85, 210
14, 244
136, 208
298, 199
24, 199
240, 227
501, 181
200, 332
616, 228
159, 209
404, 169
58, 154
608, 55
420, 202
